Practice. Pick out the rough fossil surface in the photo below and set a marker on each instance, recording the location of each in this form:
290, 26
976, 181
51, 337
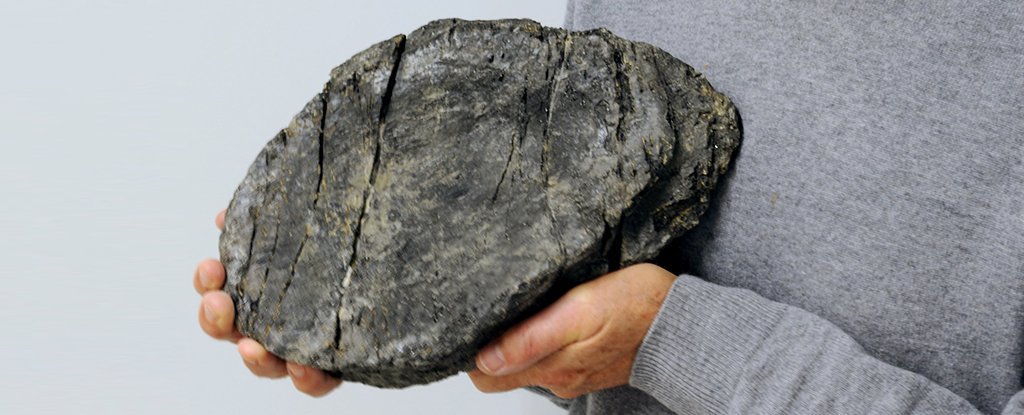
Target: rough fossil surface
447, 183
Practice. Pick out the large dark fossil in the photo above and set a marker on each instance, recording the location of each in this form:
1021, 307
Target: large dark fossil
445, 184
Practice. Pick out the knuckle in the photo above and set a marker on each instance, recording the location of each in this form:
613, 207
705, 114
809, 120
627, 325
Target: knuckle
581, 296
583, 300
524, 345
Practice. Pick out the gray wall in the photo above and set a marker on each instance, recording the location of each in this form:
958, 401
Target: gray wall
125, 127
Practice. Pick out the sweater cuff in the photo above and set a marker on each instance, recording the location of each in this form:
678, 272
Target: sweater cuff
697, 348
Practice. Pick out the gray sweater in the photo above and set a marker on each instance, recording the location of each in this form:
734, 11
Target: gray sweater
866, 253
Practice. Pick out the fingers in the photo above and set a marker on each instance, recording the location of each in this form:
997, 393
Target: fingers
217, 316
259, 361
209, 276
216, 310
308, 380
561, 373
491, 384
564, 322
311, 381
585, 341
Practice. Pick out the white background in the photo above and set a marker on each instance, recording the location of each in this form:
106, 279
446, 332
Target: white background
125, 127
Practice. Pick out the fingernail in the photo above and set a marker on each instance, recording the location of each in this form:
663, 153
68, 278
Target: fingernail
208, 313
491, 361
204, 279
297, 371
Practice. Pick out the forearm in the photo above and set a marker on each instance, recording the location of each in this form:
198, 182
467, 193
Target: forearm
714, 350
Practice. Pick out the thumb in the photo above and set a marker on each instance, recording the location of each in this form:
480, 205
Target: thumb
566, 321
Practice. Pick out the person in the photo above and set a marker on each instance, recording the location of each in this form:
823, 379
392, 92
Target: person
864, 255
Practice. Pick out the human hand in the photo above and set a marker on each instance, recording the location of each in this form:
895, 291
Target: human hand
217, 319
584, 342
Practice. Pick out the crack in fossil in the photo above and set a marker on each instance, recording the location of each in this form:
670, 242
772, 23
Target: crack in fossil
669, 115
381, 122
320, 143
552, 88
252, 243
266, 272
336, 342
512, 144
451, 31
374, 166
316, 197
622, 87
611, 243
666, 175
291, 276
255, 208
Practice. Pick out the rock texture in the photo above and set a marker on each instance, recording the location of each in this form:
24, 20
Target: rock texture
446, 184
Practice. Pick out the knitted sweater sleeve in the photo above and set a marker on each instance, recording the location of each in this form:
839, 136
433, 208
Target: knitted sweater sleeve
720, 350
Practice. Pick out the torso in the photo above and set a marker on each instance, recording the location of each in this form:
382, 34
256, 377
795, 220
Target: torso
881, 180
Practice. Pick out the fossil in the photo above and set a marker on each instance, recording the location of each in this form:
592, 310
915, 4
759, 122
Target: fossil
448, 183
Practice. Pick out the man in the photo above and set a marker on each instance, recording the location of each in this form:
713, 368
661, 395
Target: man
865, 255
